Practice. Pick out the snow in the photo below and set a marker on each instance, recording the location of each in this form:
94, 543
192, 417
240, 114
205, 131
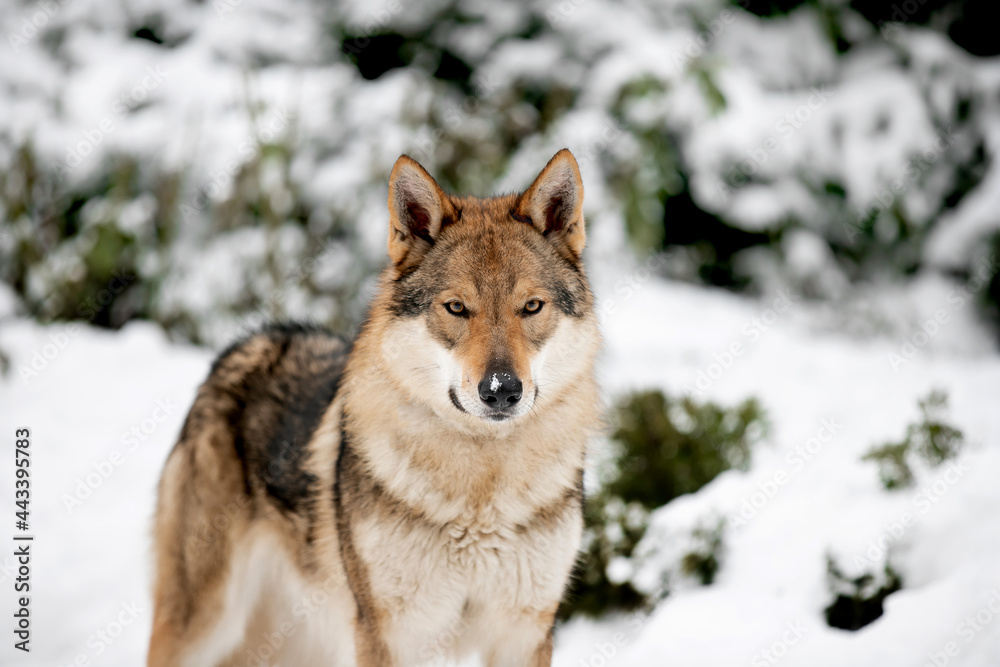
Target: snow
829, 394
100, 393
813, 383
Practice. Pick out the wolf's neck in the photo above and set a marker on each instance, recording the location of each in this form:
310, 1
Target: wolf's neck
453, 476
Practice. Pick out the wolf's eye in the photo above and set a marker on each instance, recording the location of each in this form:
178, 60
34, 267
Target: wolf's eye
533, 306
455, 307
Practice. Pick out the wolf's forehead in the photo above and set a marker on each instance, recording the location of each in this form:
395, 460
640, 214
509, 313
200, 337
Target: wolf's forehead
503, 252
485, 209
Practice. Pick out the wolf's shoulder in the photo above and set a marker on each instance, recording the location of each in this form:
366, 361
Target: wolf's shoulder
274, 341
279, 382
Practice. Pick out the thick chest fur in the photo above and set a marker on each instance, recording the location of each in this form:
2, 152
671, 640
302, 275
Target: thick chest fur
469, 560
437, 557
441, 572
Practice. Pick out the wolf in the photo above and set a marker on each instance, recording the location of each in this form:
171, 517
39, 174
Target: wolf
414, 496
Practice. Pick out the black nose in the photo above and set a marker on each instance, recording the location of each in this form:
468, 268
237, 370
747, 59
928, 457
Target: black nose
500, 389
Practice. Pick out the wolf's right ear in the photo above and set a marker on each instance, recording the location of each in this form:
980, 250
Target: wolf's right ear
418, 209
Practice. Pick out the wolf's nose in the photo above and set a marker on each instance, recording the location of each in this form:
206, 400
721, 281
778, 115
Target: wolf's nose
500, 390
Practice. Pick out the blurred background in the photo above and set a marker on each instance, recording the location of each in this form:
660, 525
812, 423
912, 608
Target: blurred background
793, 216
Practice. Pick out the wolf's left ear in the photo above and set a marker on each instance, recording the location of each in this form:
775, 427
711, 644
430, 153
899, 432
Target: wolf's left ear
554, 203
418, 208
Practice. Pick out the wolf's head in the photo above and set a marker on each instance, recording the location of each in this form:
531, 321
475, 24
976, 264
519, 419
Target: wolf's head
485, 312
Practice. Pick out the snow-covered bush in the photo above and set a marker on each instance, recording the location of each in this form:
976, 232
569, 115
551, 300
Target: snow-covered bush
213, 150
858, 600
664, 447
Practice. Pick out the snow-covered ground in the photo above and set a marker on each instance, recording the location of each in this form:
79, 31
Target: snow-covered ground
105, 408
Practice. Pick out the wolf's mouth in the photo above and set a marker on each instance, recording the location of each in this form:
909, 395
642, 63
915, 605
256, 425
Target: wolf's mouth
491, 414
453, 395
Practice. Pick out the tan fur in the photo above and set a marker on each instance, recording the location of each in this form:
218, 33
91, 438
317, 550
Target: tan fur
431, 520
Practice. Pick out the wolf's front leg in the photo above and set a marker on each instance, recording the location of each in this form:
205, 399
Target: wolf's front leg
525, 640
371, 648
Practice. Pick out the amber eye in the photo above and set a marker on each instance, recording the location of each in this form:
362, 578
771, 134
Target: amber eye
455, 307
533, 306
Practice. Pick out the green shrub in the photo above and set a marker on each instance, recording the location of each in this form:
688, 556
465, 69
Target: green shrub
666, 447
930, 439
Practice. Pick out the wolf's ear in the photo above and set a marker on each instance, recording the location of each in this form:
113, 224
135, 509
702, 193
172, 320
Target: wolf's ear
554, 203
418, 208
